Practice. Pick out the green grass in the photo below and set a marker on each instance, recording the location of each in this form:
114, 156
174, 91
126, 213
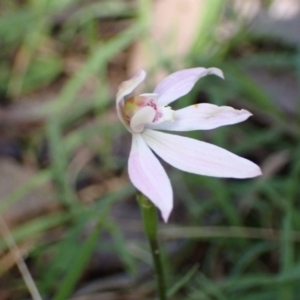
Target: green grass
227, 239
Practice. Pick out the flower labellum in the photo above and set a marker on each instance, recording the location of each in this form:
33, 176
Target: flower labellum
145, 115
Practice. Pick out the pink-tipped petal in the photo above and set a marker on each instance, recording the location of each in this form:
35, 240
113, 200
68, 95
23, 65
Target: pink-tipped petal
199, 157
149, 177
203, 116
125, 88
180, 83
141, 117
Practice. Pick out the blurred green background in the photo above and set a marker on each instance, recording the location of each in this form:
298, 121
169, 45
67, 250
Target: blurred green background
64, 189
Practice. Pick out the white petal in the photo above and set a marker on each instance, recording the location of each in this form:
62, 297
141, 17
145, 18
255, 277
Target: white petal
199, 157
203, 116
125, 88
180, 83
152, 96
164, 114
149, 177
141, 117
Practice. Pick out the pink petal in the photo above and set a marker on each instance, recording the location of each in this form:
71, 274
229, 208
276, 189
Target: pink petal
203, 116
199, 157
148, 176
141, 117
125, 89
180, 83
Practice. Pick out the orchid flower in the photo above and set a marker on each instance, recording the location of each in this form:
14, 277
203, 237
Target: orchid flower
145, 115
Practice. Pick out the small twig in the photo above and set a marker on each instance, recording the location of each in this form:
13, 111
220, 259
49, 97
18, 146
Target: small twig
19, 260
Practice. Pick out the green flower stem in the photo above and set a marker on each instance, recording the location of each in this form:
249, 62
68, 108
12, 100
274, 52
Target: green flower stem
150, 220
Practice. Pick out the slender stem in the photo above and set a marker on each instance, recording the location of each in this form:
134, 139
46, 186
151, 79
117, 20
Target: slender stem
150, 220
